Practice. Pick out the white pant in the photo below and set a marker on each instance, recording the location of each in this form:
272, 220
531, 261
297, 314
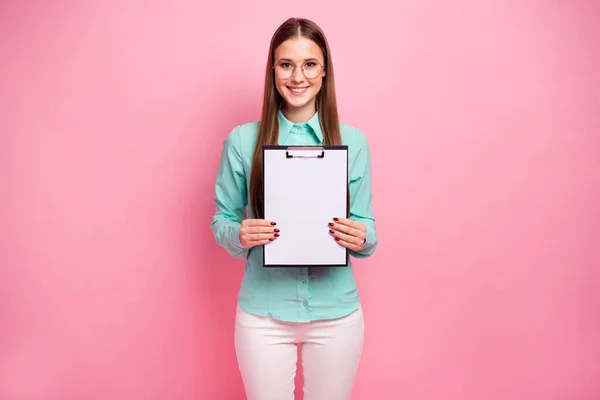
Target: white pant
267, 348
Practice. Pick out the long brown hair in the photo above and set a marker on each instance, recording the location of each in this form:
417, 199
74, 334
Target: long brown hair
326, 104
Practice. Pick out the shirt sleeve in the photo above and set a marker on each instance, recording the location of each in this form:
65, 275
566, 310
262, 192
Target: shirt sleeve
230, 197
361, 203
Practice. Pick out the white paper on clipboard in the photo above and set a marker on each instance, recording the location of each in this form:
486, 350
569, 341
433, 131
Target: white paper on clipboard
305, 187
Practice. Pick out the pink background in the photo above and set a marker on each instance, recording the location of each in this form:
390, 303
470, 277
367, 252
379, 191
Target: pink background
483, 120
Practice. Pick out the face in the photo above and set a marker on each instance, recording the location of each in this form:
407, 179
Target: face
298, 91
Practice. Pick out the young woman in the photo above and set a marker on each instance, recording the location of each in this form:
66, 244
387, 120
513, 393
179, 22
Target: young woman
280, 308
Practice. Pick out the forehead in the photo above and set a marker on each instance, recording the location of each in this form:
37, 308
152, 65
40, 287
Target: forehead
298, 49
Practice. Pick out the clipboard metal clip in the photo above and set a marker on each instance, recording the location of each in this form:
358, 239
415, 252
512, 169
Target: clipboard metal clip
309, 148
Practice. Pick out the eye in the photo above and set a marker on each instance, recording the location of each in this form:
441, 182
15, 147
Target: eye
285, 65
310, 64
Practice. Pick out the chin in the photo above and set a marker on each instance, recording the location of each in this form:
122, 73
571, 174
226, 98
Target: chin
297, 103
300, 102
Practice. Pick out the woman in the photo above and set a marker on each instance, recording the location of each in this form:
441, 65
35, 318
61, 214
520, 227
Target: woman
280, 308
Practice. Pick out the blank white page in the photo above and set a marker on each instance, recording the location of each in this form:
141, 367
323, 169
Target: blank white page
302, 195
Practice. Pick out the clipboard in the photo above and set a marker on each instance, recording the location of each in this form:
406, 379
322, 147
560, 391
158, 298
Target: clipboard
304, 188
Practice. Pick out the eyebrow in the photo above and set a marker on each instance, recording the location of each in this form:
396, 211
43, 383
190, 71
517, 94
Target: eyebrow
306, 59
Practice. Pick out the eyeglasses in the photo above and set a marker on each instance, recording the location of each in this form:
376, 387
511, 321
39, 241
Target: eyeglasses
310, 69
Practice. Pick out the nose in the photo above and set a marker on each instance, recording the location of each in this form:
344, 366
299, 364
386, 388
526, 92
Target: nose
298, 75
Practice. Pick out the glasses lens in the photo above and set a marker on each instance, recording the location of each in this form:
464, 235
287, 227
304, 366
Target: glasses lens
311, 69
284, 70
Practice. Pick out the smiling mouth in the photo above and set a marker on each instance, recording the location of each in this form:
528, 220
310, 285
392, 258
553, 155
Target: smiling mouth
298, 90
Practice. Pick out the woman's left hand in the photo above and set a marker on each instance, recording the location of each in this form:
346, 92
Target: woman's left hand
348, 233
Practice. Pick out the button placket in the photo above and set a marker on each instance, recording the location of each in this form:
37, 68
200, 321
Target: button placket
303, 291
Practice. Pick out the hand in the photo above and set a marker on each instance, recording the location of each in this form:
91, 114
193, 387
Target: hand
348, 233
256, 232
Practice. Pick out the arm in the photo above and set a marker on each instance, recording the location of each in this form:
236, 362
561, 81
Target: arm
230, 198
361, 205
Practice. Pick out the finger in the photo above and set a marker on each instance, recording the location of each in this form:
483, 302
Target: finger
260, 222
346, 221
250, 244
348, 245
260, 229
261, 242
346, 238
260, 236
345, 229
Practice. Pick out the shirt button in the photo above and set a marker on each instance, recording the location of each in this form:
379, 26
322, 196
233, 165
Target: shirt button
305, 303
303, 281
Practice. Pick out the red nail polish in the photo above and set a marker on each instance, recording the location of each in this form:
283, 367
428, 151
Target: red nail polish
331, 224
270, 240
336, 219
277, 235
337, 238
273, 223
276, 230
331, 231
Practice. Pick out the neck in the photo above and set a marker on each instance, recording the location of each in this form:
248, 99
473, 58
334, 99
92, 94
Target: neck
299, 115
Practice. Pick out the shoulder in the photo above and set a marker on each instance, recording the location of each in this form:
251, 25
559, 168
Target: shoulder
352, 135
244, 131
243, 136
249, 129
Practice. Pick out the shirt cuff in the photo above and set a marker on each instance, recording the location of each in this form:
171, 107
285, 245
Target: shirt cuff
369, 246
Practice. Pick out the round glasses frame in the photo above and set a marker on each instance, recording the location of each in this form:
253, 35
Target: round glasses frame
288, 76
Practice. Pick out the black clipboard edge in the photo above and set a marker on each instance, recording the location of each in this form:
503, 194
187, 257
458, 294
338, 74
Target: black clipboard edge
305, 265
292, 147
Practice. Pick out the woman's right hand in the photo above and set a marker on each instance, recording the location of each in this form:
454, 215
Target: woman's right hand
256, 232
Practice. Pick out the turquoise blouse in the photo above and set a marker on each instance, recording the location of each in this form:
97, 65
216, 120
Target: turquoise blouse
291, 294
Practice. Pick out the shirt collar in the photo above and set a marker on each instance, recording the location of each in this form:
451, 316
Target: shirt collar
285, 126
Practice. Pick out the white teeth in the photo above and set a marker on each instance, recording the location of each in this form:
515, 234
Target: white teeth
300, 90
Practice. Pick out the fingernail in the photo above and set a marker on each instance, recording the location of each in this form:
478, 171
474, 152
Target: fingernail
277, 235
331, 224
331, 231
337, 238
336, 219
270, 240
273, 223
276, 230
